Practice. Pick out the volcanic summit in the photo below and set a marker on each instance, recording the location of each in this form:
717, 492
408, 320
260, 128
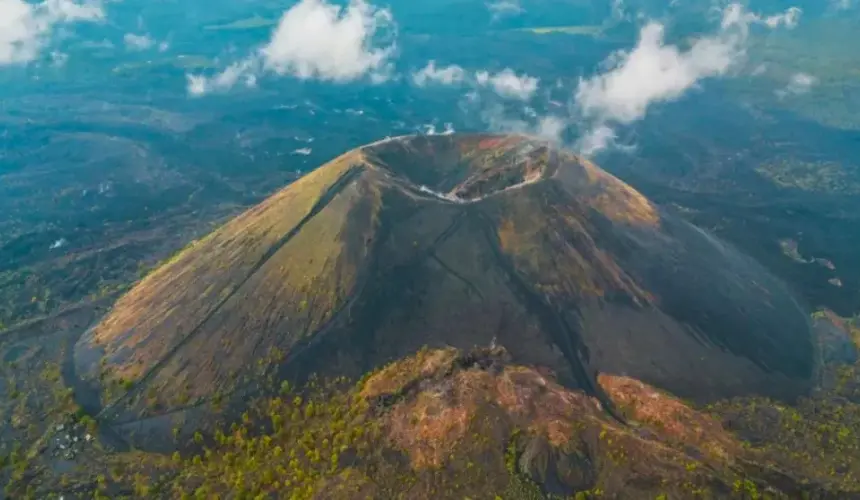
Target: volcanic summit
456, 240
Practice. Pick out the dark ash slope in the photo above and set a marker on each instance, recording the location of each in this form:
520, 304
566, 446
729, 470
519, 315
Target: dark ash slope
390, 246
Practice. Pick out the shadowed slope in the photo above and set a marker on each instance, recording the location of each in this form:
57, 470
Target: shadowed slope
387, 248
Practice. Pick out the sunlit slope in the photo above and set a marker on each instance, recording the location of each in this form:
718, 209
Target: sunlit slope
183, 327
446, 240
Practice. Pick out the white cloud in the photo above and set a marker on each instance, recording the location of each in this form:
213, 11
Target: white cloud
446, 75
499, 117
243, 72
596, 139
138, 42
735, 15
26, 28
654, 72
789, 19
504, 8
841, 4
315, 39
550, 128
799, 83
67, 11
802, 81
430, 129
508, 84
197, 85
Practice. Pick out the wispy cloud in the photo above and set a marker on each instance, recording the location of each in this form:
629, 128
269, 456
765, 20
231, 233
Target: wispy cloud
506, 83
618, 12
597, 139
444, 75
431, 129
799, 83
790, 18
759, 70
318, 40
500, 117
138, 42
27, 28
199, 85
736, 16
654, 72
504, 8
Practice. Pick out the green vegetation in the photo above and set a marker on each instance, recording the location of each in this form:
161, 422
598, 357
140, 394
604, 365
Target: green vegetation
520, 486
819, 177
306, 440
53, 289
37, 401
394, 435
818, 438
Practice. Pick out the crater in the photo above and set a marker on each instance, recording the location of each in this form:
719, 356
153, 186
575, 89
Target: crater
465, 168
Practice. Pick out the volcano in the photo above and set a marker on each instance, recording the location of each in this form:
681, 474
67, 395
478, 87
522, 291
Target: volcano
437, 241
